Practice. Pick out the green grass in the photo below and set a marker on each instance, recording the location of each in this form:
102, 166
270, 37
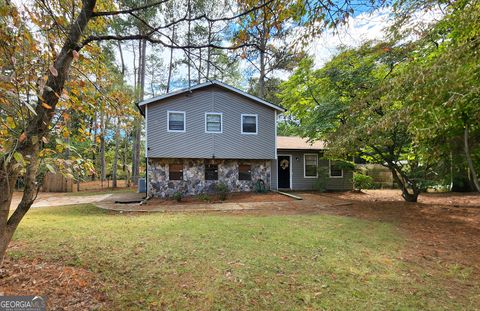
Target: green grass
226, 262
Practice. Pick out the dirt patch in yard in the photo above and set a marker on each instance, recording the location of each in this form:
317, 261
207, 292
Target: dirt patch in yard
66, 288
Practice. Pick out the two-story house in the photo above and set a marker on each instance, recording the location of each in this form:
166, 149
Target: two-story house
212, 133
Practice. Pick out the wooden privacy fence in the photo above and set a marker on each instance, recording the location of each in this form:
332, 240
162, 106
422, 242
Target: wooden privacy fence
57, 183
380, 174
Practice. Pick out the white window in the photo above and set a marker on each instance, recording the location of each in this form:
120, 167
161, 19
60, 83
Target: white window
335, 170
213, 122
176, 121
249, 124
310, 163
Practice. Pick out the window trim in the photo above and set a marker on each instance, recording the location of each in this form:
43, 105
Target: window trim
184, 121
305, 165
330, 170
256, 123
221, 122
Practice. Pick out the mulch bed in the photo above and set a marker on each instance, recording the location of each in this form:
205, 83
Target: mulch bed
237, 197
66, 288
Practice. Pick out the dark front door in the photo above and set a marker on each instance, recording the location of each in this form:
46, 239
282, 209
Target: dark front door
284, 172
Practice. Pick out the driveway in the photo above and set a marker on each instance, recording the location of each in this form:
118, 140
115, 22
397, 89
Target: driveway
46, 199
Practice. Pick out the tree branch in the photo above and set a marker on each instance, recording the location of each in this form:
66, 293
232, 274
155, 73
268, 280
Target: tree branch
127, 11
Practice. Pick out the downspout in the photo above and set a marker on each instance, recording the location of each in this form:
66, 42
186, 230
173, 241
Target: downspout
146, 177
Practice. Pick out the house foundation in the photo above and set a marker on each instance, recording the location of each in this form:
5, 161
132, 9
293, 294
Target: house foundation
192, 180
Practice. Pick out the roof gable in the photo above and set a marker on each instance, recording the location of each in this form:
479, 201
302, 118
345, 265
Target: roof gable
156, 99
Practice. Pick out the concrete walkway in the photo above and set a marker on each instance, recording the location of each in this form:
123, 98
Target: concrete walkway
59, 199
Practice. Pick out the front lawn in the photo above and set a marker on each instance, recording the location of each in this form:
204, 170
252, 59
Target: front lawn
233, 262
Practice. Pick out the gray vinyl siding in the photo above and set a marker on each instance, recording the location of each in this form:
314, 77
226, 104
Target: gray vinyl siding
299, 182
274, 181
195, 143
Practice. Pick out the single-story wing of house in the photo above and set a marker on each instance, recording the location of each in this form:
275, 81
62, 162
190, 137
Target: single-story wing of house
214, 133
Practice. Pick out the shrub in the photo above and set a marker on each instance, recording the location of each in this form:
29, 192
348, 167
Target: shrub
362, 181
260, 186
204, 197
177, 196
321, 182
222, 191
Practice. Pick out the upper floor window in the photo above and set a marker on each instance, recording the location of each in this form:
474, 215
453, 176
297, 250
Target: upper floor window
335, 170
176, 121
249, 124
311, 165
213, 122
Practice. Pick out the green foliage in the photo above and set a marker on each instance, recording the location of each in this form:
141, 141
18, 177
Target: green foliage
344, 164
362, 181
204, 197
222, 191
260, 186
348, 104
177, 196
322, 179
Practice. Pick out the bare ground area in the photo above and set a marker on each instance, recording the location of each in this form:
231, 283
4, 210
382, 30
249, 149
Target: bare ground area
442, 227
66, 288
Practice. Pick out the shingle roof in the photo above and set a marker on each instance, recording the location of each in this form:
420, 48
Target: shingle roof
298, 143
205, 84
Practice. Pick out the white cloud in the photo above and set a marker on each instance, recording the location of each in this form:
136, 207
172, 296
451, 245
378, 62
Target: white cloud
357, 30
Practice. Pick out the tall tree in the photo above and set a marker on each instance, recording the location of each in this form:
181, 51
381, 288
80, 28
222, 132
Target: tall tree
66, 30
344, 104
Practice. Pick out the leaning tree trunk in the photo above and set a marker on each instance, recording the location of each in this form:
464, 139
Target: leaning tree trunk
402, 183
38, 127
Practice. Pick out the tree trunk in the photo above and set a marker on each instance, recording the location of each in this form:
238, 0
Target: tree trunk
95, 148
262, 47
170, 66
115, 157
138, 121
122, 61
209, 50
199, 78
103, 164
188, 44
261, 79
402, 183
38, 127
8, 179
473, 171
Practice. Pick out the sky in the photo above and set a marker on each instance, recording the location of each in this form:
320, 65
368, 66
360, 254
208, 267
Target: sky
359, 28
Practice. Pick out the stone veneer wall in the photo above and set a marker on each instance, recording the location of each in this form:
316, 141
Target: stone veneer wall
194, 181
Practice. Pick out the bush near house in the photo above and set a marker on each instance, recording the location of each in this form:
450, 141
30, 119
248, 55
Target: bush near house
362, 181
222, 191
